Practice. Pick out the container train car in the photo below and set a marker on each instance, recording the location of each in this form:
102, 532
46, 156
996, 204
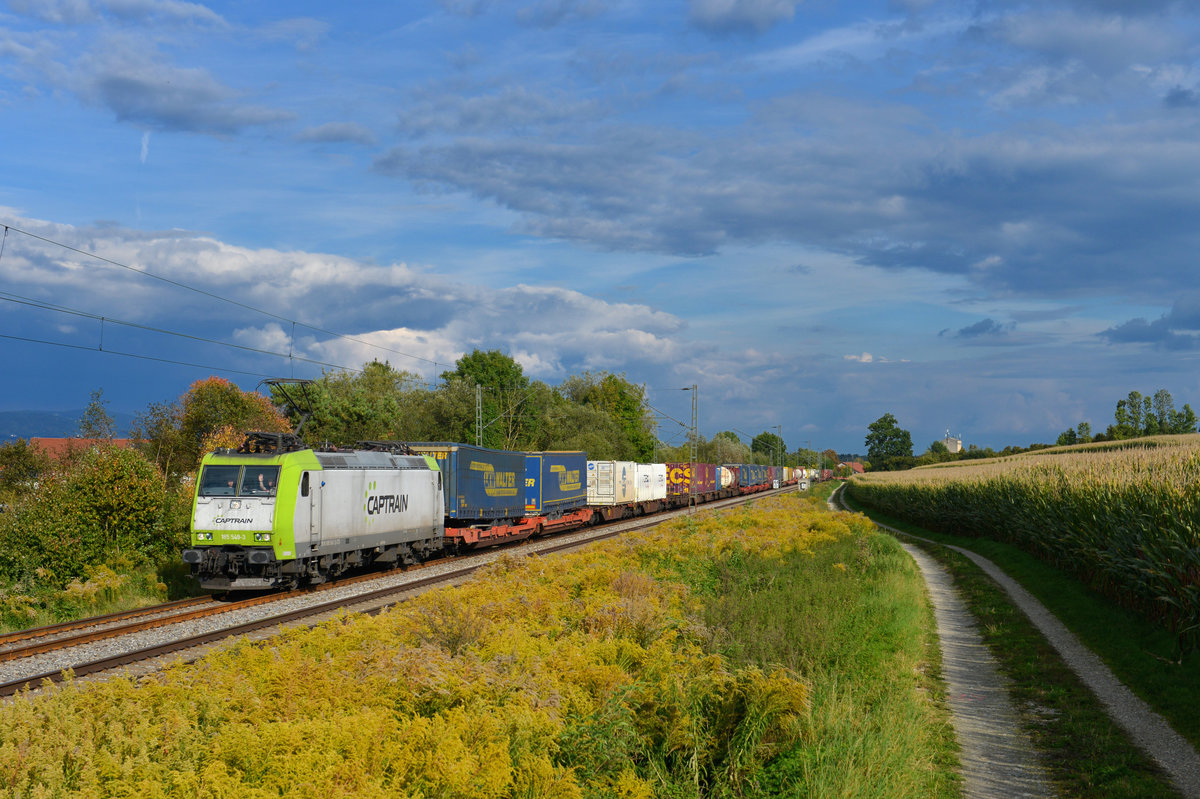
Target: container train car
276, 513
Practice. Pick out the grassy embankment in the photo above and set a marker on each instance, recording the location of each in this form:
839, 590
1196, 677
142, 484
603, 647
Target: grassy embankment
1088, 754
780, 650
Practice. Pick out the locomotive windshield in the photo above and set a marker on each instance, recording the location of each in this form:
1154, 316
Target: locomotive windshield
240, 481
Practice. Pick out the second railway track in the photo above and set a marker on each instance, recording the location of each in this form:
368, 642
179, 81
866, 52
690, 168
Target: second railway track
30, 658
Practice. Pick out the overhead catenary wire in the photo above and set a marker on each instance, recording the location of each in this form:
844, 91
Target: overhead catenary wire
19, 300
213, 295
225, 369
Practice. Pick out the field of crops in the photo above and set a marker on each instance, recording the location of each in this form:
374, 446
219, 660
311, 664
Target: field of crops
1122, 516
593, 674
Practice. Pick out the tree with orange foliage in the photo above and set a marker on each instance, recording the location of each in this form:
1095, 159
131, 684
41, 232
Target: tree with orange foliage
213, 413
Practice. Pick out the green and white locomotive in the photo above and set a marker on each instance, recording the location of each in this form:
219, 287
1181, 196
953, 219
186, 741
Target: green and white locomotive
276, 513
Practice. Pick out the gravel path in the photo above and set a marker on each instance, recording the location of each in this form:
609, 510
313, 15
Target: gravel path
1150, 731
998, 758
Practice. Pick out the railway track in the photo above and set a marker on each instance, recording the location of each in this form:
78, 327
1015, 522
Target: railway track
32, 658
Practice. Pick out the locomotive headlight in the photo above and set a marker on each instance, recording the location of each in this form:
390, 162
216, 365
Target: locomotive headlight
262, 536
235, 504
204, 536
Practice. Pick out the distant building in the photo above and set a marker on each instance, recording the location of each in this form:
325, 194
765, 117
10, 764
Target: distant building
855, 466
953, 445
60, 448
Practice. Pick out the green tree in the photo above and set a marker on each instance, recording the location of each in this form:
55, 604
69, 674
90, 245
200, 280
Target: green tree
156, 434
96, 422
112, 504
725, 447
1067, 437
1083, 432
20, 467
505, 390
1136, 410
886, 441
769, 445
624, 402
378, 403
1184, 421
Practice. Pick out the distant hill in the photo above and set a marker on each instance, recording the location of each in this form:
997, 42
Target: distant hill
52, 424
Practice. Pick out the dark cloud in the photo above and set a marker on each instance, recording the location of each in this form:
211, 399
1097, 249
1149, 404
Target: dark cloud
335, 132
1060, 212
740, 16
988, 328
539, 14
145, 92
160, 104
1171, 331
1179, 97
510, 109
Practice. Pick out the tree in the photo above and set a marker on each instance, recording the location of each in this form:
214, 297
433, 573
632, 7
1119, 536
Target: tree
213, 412
1083, 433
725, 447
1067, 437
504, 393
20, 467
624, 402
378, 403
112, 504
768, 444
95, 422
1184, 421
887, 441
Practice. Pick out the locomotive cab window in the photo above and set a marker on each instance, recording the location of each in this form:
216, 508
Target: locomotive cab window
219, 481
259, 481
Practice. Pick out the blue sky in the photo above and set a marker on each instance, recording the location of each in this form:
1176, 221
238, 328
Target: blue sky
978, 216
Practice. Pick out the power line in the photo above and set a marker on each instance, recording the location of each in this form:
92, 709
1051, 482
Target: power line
134, 355
212, 295
19, 300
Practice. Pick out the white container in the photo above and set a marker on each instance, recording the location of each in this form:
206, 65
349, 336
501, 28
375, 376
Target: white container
612, 482
651, 481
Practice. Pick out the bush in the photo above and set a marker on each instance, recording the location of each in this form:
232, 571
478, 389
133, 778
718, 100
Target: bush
112, 503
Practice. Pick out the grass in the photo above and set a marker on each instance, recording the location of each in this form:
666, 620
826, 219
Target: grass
1086, 753
778, 650
104, 589
852, 619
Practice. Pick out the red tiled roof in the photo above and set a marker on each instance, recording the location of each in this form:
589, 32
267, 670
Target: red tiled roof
59, 448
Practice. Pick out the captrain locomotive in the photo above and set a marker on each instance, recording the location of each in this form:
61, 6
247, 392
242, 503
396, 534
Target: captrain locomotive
277, 513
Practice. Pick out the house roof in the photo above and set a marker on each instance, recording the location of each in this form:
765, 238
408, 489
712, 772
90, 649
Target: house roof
59, 448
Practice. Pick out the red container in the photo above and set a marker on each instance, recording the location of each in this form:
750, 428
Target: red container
691, 478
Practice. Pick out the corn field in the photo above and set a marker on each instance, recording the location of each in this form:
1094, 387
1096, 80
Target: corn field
1123, 518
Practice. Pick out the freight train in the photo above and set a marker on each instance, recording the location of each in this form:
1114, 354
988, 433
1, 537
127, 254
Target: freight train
275, 513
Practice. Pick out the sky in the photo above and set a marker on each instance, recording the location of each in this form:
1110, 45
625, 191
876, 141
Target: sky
980, 217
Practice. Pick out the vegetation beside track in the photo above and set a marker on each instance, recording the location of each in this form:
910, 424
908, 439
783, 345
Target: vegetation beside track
1086, 753
774, 650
